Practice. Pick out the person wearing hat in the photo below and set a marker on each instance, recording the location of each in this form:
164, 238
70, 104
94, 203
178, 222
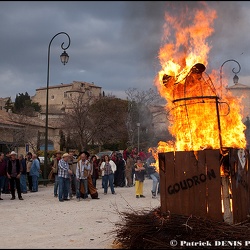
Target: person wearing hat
83, 168
64, 173
54, 166
14, 174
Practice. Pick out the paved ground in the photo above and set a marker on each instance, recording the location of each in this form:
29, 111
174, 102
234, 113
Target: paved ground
41, 221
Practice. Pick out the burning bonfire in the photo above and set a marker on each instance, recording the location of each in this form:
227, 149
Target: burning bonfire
206, 122
202, 112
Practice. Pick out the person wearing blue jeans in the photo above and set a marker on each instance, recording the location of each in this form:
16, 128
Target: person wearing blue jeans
64, 185
156, 184
64, 173
108, 168
154, 175
35, 172
108, 180
23, 178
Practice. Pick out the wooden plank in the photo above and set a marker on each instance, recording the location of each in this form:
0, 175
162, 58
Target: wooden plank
201, 201
225, 185
183, 180
240, 188
233, 171
213, 185
169, 178
162, 172
248, 181
243, 191
191, 173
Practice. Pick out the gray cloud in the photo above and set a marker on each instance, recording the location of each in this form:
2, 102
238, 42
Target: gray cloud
113, 44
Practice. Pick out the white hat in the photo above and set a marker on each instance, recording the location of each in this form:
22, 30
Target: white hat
13, 153
65, 155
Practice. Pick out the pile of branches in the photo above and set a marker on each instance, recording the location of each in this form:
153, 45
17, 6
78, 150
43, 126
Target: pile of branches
152, 230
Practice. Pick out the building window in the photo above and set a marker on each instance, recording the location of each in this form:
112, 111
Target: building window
82, 85
89, 93
52, 97
65, 94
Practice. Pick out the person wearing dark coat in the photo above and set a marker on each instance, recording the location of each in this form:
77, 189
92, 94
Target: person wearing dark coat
14, 174
119, 178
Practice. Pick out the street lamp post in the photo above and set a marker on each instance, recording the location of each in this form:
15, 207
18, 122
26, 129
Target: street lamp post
236, 78
138, 126
64, 59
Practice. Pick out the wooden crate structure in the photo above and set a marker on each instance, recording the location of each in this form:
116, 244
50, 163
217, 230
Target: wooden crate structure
191, 184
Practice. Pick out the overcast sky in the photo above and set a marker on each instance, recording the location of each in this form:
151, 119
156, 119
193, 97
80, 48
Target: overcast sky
114, 44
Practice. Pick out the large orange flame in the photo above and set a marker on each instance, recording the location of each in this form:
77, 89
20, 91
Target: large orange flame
196, 124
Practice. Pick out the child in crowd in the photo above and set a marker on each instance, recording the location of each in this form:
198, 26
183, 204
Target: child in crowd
139, 178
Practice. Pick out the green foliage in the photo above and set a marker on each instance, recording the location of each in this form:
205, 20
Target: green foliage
36, 106
9, 105
23, 102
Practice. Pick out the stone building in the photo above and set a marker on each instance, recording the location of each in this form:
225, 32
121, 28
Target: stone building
8, 130
60, 97
22, 133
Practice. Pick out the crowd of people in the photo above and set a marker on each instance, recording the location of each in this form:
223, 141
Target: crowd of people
15, 171
76, 174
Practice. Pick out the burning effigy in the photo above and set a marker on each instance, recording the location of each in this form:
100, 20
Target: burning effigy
204, 174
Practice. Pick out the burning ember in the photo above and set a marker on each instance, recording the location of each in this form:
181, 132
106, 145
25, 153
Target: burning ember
202, 113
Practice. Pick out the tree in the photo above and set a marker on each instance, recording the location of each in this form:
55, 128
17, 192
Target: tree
138, 112
77, 123
9, 105
23, 104
109, 115
96, 122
